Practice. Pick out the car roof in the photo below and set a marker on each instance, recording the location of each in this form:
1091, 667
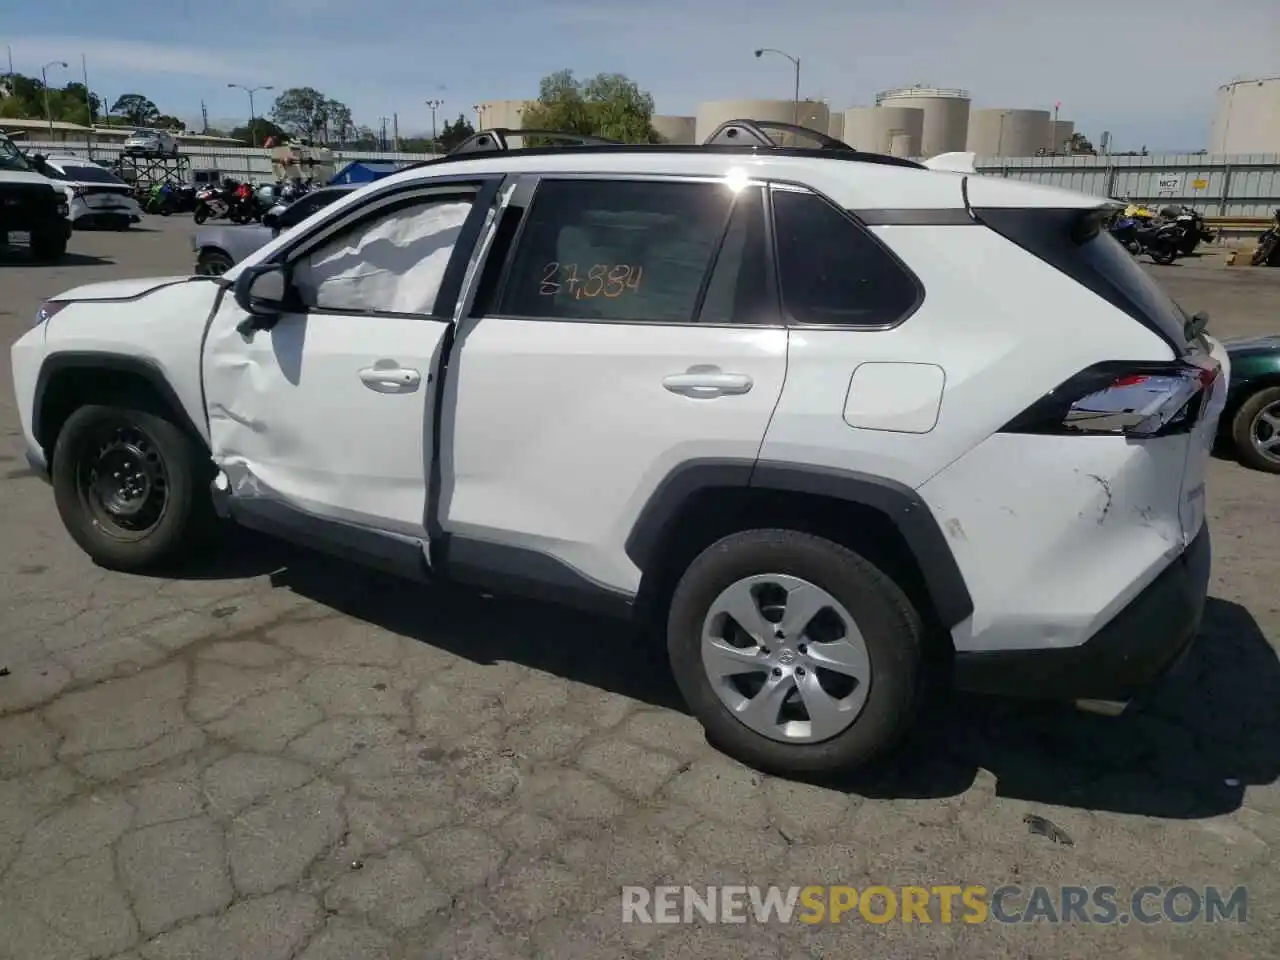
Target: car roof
851, 182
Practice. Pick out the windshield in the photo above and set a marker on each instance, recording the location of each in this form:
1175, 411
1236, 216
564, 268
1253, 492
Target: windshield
88, 175
11, 157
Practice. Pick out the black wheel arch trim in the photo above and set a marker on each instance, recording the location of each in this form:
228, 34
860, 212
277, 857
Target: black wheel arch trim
146, 370
898, 503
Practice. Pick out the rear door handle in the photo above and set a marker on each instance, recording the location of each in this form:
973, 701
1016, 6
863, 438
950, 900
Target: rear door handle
708, 382
384, 377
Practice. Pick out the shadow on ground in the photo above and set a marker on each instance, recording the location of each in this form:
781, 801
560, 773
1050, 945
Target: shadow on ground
1206, 733
17, 257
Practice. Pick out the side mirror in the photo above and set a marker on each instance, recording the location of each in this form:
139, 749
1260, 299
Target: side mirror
38, 161
260, 291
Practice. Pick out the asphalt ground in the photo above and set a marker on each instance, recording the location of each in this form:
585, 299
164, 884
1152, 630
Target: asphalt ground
281, 756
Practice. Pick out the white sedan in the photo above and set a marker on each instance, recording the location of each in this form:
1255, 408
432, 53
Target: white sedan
151, 143
95, 195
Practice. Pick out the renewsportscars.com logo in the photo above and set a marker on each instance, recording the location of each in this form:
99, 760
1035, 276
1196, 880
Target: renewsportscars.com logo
945, 904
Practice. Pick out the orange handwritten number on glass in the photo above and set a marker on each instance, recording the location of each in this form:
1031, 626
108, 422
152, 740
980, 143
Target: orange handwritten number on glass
595, 276
616, 283
549, 287
633, 280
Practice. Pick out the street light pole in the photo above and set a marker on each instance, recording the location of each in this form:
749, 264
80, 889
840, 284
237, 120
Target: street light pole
44, 83
253, 116
434, 105
796, 63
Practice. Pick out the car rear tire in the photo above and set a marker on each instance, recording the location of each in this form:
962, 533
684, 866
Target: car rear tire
48, 245
1255, 431
213, 263
132, 488
826, 676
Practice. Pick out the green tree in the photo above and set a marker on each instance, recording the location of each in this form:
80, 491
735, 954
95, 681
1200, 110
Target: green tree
255, 132
607, 105
136, 108
452, 134
306, 112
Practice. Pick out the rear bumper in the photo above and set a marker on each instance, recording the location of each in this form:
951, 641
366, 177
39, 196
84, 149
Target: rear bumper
1138, 646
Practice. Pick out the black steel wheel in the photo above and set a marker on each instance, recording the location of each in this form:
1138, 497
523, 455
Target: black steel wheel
132, 487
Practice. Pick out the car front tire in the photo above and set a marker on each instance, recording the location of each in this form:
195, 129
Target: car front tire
1255, 431
824, 674
48, 245
131, 487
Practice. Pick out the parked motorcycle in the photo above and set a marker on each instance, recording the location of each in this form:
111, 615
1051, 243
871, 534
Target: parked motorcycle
1195, 232
160, 200
243, 205
211, 204
1160, 240
1267, 252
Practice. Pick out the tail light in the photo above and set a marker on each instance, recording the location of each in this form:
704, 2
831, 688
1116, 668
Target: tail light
1140, 400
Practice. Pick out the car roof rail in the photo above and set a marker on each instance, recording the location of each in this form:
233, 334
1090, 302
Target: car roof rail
757, 132
733, 138
498, 140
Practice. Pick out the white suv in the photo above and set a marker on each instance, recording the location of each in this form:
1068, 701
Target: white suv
819, 416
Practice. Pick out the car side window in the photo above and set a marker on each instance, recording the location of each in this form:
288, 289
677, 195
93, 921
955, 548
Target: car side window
393, 262
832, 270
616, 250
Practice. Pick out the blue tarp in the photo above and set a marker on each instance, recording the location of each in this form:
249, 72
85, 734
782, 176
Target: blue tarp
364, 171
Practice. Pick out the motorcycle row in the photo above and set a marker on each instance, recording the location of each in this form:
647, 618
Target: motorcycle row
243, 202
1162, 235
231, 200
1267, 252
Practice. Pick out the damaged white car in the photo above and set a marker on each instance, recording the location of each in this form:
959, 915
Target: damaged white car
815, 416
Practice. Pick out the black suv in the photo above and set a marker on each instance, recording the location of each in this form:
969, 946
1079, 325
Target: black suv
31, 204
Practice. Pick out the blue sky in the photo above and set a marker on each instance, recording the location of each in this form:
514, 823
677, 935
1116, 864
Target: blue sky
1145, 69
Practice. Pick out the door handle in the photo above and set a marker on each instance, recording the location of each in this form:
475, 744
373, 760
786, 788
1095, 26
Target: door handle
390, 379
708, 382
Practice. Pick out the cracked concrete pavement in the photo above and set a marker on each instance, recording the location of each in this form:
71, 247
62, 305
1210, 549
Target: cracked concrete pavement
279, 757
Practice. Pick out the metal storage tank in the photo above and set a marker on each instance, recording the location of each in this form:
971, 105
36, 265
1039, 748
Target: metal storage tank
1247, 117
812, 114
675, 129
946, 115
1063, 130
876, 129
502, 113
1009, 133
837, 126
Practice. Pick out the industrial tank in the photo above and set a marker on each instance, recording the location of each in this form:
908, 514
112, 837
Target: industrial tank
1009, 133
1247, 117
675, 129
946, 115
502, 113
812, 114
1062, 132
876, 129
836, 129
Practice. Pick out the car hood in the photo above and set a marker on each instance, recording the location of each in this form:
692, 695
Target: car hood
22, 176
1267, 343
123, 289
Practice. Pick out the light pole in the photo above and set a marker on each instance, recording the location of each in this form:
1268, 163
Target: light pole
253, 116
434, 105
796, 62
44, 83
1000, 135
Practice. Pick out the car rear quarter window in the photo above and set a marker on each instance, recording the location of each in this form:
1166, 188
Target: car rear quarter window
832, 271
618, 250
1077, 243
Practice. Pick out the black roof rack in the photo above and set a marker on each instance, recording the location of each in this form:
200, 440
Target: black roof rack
733, 138
497, 140
739, 132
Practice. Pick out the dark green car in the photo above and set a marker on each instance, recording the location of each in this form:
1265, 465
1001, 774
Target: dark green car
1251, 420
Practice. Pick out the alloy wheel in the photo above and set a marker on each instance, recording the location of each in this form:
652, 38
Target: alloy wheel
786, 658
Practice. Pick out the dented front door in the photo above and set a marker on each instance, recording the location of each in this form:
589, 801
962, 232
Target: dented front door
330, 412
